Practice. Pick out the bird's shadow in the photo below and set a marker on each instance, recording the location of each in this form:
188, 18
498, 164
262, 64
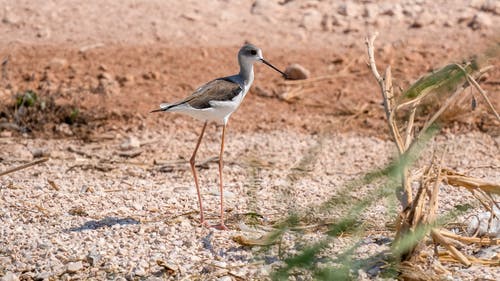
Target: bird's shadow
105, 222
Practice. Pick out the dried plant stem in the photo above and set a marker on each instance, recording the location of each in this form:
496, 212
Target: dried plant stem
409, 128
422, 210
291, 94
453, 97
389, 88
386, 88
450, 100
457, 179
439, 238
440, 111
386, 91
483, 93
311, 80
24, 166
483, 241
434, 195
446, 257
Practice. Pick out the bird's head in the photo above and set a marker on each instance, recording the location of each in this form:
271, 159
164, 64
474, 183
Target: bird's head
250, 54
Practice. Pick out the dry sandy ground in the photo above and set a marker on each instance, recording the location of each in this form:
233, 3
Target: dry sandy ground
89, 213
118, 217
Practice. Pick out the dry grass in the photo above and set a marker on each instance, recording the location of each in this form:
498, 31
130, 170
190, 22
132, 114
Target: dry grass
419, 210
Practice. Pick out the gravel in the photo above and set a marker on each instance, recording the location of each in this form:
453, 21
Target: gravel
132, 218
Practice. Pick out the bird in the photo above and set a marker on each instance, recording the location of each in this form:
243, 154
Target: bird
216, 101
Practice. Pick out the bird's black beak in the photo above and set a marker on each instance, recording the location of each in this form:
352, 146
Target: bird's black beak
273, 67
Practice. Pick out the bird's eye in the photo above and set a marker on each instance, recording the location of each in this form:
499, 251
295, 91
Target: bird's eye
253, 52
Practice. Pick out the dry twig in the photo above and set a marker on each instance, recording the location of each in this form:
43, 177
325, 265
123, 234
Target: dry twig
24, 166
483, 241
385, 84
456, 179
263, 241
440, 239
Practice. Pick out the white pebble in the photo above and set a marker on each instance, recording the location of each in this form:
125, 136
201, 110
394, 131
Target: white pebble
73, 267
10, 276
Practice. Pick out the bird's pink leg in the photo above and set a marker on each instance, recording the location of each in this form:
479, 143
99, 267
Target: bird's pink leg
193, 169
221, 226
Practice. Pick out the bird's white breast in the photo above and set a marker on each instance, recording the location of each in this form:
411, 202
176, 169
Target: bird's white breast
219, 110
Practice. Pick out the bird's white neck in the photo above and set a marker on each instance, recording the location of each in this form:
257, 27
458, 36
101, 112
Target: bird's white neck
246, 71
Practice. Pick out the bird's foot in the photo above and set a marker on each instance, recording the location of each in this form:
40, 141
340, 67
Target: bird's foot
205, 224
220, 226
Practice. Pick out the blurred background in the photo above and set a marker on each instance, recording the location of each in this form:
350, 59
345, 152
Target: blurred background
114, 54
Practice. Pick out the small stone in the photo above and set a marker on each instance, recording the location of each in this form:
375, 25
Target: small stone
480, 21
48, 77
90, 47
227, 194
43, 32
57, 63
423, 19
44, 275
151, 75
296, 72
263, 7
73, 267
488, 253
40, 152
86, 188
476, 3
107, 84
264, 270
5, 261
185, 224
492, 6
44, 245
28, 76
392, 10
220, 264
261, 92
78, 211
105, 75
447, 23
326, 22
124, 80
225, 278
481, 225
130, 143
312, 20
65, 129
10, 276
139, 271
138, 206
10, 17
191, 16
350, 9
464, 17
5, 134
370, 11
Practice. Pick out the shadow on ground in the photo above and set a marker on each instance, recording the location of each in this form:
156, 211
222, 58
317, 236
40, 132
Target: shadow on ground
106, 222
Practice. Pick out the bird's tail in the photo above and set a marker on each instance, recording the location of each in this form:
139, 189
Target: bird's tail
163, 107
